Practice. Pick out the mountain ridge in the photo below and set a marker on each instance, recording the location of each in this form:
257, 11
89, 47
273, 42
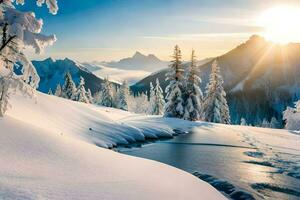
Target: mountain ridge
260, 78
138, 61
52, 71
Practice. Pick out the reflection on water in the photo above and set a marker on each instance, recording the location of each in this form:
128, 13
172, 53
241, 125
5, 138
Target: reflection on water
229, 162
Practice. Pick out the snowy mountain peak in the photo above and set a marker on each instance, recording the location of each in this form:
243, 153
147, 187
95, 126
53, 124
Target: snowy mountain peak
49, 60
138, 55
139, 61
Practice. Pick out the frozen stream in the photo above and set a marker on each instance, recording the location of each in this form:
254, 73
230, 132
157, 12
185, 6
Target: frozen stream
241, 165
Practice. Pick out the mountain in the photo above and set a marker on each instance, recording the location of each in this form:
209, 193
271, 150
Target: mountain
114, 74
260, 78
139, 61
52, 72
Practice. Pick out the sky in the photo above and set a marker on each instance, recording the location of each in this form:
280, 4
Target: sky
105, 30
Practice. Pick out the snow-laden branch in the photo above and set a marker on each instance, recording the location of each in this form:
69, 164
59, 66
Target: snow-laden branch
20, 30
51, 4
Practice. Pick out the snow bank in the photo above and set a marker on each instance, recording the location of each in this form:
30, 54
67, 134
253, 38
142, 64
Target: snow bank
107, 127
48, 152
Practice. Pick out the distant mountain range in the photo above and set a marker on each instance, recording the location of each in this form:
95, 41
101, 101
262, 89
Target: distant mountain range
260, 78
52, 73
132, 69
139, 62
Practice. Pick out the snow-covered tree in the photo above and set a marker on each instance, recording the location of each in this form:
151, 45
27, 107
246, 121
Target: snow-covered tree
97, 97
215, 108
20, 30
90, 96
139, 103
265, 123
243, 122
122, 96
174, 105
194, 96
107, 98
274, 123
157, 101
80, 94
50, 92
151, 98
69, 87
58, 91
291, 117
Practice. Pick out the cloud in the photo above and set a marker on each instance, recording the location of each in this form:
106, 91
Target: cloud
200, 36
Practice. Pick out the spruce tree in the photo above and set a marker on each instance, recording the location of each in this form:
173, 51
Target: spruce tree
122, 96
274, 123
215, 108
151, 99
194, 96
157, 101
20, 30
174, 105
90, 96
243, 122
107, 98
58, 91
69, 88
80, 94
265, 123
50, 92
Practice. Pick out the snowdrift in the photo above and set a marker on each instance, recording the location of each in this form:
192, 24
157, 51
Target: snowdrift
48, 151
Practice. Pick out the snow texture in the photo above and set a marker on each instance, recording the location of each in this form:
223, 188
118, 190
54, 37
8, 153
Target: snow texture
48, 151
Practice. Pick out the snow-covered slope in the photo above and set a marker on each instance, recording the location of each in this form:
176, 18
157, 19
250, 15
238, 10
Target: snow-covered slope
114, 74
52, 72
48, 151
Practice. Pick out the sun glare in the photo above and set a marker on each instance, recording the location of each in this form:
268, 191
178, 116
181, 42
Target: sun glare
281, 24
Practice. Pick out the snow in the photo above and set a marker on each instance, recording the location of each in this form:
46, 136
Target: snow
48, 151
237, 160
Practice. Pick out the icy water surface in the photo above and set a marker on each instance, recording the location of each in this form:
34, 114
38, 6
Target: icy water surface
237, 167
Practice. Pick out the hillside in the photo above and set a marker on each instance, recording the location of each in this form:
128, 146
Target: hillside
49, 150
256, 67
52, 72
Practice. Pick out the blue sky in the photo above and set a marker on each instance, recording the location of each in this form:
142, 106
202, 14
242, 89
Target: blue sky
89, 30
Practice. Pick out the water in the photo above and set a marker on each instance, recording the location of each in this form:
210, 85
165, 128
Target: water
224, 165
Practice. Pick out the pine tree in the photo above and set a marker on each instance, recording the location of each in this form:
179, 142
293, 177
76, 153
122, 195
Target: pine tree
265, 123
80, 94
20, 30
69, 88
174, 105
291, 117
90, 96
194, 96
157, 101
50, 92
151, 99
215, 108
274, 123
107, 98
58, 91
122, 96
243, 122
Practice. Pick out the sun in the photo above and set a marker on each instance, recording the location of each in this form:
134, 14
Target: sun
281, 24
